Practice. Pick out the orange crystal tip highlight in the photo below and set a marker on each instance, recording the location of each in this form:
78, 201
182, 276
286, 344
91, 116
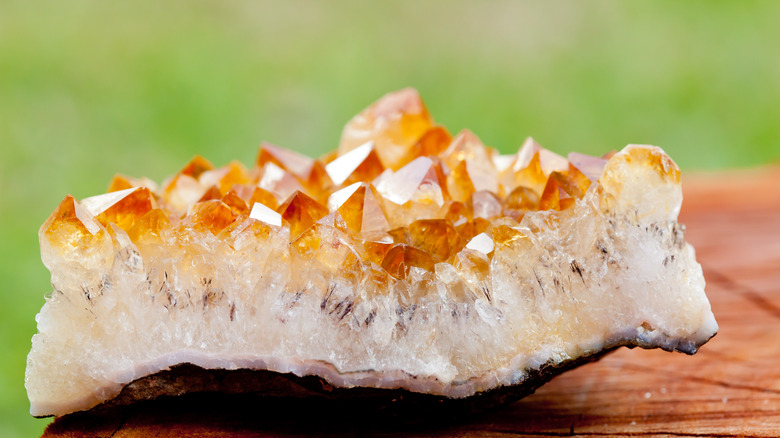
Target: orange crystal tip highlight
69, 223
395, 122
301, 212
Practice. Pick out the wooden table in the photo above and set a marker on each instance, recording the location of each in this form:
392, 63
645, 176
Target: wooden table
730, 388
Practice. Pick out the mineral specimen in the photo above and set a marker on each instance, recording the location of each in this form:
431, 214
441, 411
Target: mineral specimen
408, 261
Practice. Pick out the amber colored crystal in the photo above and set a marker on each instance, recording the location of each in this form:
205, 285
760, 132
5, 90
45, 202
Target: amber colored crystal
395, 123
472, 165
374, 250
522, 198
224, 178
457, 212
459, 183
212, 193
70, 224
149, 226
119, 182
122, 208
559, 192
246, 234
196, 167
318, 183
550, 199
264, 197
301, 212
232, 200
328, 243
360, 206
432, 143
437, 237
211, 215
470, 228
401, 258
400, 235
654, 158
504, 235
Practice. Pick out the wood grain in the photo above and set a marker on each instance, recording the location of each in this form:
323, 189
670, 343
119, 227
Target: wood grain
730, 388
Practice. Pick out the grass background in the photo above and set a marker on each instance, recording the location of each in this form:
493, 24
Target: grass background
92, 88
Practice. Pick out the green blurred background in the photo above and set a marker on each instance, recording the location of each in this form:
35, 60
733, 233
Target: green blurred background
91, 88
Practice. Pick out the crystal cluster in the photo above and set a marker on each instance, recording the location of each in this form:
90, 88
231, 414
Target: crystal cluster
408, 258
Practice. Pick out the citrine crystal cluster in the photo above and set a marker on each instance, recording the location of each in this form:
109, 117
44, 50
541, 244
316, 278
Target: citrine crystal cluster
407, 259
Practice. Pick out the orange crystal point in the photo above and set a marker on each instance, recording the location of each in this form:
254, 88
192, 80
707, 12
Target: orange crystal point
264, 197
212, 193
232, 200
650, 156
181, 192
522, 198
401, 258
437, 237
459, 183
504, 235
119, 182
122, 208
301, 212
327, 241
458, 213
211, 215
474, 164
471, 228
374, 250
526, 169
293, 162
279, 181
432, 143
224, 178
318, 183
395, 123
359, 164
360, 206
421, 181
559, 193
69, 225
196, 167
466, 146
149, 227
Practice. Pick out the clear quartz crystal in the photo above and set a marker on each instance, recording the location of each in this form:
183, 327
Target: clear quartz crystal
407, 259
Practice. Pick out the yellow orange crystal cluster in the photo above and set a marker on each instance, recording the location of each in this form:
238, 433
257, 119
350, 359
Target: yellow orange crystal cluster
401, 191
407, 259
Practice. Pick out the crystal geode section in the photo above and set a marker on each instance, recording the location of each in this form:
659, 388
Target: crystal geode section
406, 260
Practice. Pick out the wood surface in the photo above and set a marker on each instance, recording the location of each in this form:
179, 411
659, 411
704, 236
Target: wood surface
730, 388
